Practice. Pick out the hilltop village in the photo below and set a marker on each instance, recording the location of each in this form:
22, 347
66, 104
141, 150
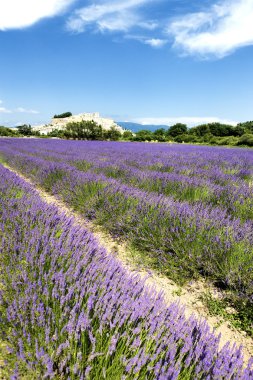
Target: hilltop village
59, 123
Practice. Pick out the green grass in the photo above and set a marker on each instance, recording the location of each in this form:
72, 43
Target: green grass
2, 159
52, 178
238, 314
82, 165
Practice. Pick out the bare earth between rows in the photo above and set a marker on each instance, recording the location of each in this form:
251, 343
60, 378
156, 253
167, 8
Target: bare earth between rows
188, 296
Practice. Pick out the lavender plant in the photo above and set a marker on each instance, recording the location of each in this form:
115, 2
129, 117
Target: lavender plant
188, 208
70, 310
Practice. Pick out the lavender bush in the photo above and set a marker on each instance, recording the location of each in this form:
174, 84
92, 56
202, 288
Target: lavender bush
70, 310
189, 208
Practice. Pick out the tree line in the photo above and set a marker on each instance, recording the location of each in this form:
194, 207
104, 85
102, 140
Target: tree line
209, 133
86, 130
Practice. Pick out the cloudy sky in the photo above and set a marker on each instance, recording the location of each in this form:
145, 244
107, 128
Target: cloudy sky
149, 61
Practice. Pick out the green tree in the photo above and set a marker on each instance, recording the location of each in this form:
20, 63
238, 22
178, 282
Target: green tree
112, 134
238, 130
63, 115
127, 135
221, 130
247, 126
143, 135
159, 134
200, 130
4, 131
177, 129
56, 133
84, 130
186, 138
25, 129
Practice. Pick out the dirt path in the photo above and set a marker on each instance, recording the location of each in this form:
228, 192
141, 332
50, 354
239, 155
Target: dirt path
189, 295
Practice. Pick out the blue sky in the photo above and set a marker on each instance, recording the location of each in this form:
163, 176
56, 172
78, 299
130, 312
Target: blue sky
148, 61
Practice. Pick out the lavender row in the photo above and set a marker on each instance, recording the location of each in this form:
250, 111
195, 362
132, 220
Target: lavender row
182, 239
71, 310
211, 175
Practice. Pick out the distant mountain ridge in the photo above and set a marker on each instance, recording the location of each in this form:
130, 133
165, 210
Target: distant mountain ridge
135, 127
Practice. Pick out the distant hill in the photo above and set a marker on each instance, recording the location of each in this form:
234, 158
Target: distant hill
135, 127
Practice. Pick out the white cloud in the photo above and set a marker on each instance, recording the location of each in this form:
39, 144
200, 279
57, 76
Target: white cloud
24, 110
155, 42
18, 110
23, 13
218, 31
4, 110
110, 16
190, 121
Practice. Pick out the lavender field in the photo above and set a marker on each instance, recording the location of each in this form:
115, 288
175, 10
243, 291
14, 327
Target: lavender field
70, 309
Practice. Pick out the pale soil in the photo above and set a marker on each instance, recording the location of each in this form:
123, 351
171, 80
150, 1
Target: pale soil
188, 296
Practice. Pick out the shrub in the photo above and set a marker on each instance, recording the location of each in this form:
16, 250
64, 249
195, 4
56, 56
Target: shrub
177, 129
6, 131
231, 140
127, 135
246, 139
112, 134
84, 130
63, 115
25, 130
